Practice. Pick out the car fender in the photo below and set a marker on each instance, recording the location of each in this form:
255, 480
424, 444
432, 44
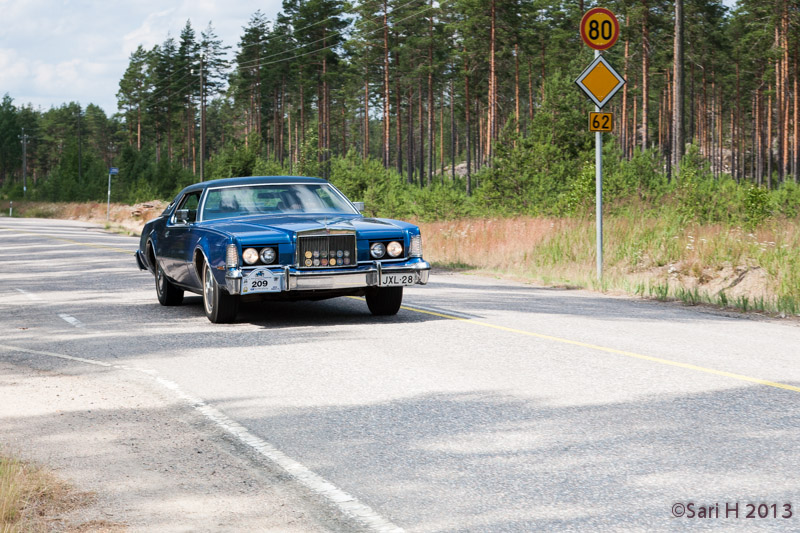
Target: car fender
150, 255
203, 251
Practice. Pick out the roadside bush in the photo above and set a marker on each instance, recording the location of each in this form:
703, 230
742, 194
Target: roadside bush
757, 206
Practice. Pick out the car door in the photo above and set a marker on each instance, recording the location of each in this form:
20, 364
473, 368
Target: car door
174, 251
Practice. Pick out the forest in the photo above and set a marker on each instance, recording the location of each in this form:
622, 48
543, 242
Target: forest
444, 109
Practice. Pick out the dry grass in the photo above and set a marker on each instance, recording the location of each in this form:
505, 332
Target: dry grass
122, 218
34, 500
653, 257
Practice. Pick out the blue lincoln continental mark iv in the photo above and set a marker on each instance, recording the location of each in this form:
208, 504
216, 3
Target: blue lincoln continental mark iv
288, 238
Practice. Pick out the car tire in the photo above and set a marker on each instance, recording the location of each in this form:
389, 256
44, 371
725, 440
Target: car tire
220, 307
168, 293
384, 301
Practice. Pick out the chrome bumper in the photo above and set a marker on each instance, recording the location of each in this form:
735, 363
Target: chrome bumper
140, 260
363, 276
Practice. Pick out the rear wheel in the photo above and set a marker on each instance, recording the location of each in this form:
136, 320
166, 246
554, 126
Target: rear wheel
220, 307
384, 301
168, 293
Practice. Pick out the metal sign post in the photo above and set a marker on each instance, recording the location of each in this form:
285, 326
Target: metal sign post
598, 190
599, 30
115, 171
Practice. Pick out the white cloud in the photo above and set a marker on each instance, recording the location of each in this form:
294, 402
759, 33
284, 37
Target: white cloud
152, 31
12, 68
53, 52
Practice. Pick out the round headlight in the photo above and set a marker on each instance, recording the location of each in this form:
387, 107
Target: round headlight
268, 255
377, 250
250, 256
394, 249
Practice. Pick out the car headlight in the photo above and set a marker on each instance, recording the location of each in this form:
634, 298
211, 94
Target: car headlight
415, 250
250, 256
377, 250
394, 249
267, 255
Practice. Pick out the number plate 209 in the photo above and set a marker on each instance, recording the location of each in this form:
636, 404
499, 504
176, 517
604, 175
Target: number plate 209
398, 280
261, 281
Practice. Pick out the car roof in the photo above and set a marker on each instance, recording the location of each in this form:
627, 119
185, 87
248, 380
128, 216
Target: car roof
250, 180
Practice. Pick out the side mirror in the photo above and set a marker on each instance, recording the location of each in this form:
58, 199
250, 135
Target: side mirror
360, 206
183, 216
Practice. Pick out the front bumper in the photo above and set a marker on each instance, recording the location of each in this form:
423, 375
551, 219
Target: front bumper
370, 275
140, 260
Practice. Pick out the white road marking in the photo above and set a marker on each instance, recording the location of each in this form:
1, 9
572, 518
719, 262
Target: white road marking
346, 503
51, 354
29, 295
72, 320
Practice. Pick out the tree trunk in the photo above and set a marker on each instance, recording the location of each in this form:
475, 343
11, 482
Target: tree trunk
624, 130
785, 91
441, 135
516, 87
737, 134
431, 109
386, 118
399, 141
410, 135
365, 125
645, 74
769, 138
678, 142
492, 85
468, 127
543, 72
422, 178
453, 133
291, 148
795, 140
759, 142
530, 89
779, 101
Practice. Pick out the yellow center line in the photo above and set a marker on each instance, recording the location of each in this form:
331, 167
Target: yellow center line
71, 241
634, 355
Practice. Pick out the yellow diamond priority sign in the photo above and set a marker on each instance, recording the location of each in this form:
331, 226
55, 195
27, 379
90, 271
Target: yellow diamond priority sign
600, 81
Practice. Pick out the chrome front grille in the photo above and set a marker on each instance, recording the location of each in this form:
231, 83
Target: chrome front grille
326, 251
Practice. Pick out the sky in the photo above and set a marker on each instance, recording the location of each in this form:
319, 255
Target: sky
59, 51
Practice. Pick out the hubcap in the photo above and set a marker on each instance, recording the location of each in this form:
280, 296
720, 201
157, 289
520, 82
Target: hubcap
208, 289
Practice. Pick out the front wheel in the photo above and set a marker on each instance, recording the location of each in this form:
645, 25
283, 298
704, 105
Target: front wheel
384, 301
220, 307
168, 293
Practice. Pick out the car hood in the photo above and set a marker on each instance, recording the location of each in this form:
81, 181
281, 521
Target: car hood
258, 226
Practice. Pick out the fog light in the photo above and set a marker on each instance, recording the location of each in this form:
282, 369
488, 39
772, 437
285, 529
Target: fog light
377, 250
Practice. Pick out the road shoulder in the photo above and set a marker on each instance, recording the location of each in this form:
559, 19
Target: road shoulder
154, 464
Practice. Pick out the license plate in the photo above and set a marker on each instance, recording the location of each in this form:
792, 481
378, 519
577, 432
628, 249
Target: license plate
262, 281
398, 280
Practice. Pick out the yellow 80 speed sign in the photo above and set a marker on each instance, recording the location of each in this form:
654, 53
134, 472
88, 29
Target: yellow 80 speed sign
599, 28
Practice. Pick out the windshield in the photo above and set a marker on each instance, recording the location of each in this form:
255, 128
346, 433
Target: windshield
293, 198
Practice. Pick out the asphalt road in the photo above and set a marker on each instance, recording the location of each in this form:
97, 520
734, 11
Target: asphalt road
484, 405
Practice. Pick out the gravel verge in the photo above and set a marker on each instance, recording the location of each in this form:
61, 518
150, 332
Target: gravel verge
153, 463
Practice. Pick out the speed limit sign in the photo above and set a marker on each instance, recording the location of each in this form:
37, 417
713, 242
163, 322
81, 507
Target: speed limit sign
599, 28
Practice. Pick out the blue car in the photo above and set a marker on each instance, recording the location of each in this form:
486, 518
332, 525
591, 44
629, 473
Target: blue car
277, 237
